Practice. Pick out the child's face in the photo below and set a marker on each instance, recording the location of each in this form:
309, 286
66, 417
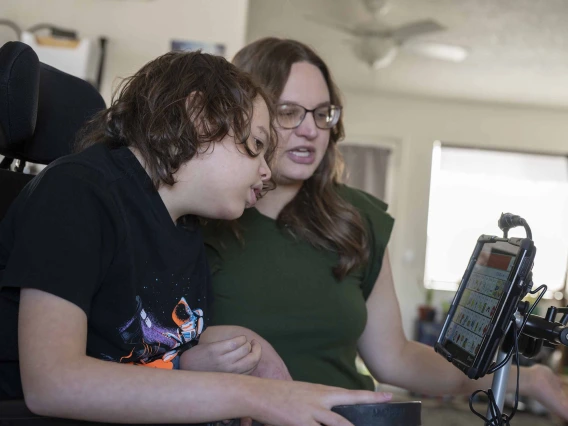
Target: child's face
225, 180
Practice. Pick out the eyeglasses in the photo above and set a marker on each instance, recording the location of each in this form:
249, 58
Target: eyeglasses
290, 116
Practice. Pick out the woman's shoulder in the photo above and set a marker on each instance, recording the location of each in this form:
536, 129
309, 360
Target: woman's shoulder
361, 200
372, 209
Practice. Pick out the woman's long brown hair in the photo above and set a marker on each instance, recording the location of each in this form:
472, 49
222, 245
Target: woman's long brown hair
318, 214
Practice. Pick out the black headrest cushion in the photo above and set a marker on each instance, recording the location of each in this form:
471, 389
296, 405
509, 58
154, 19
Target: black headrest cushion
63, 104
66, 103
19, 89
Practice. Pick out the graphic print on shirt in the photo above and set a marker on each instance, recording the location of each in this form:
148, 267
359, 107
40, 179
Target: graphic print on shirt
156, 345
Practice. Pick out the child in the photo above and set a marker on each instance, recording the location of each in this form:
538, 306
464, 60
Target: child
103, 262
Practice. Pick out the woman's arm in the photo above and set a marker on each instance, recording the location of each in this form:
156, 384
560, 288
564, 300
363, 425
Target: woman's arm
393, 359
59, 380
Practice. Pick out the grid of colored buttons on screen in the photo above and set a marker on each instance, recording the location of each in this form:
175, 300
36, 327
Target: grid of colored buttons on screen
478, 304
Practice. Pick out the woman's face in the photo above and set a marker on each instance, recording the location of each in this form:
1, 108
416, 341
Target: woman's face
301, 150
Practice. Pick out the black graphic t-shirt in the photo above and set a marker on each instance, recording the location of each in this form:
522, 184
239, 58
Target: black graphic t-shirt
92, 229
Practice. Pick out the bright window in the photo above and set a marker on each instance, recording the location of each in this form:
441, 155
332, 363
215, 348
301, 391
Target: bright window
470, 188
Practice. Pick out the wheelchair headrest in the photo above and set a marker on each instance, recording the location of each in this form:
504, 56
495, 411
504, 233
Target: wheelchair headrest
19, 90
45, 107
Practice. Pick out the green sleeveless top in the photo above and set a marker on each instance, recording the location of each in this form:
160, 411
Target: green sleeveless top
284, 290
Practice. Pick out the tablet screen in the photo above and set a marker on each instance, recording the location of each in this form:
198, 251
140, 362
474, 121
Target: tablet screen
483, 291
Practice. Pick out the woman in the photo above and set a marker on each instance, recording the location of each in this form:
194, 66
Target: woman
312, 258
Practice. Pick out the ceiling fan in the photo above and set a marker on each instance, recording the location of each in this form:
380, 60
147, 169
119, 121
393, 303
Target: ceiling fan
377, 44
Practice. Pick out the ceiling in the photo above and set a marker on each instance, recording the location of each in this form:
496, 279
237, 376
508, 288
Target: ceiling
518, 48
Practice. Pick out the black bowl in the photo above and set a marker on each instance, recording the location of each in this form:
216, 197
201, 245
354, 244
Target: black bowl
385, 414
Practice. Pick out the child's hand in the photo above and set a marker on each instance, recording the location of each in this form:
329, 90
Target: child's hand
271, 366
235, 355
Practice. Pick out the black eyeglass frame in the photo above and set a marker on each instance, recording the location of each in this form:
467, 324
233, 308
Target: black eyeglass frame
335, 121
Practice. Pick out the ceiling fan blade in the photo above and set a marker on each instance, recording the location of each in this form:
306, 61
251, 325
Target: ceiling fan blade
375, 54
443, 51
415, 29
331, 24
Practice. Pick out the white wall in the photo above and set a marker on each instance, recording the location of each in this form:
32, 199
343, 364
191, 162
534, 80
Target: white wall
417, 123
137, 30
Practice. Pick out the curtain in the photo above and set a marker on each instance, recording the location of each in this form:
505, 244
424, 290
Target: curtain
366, 167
